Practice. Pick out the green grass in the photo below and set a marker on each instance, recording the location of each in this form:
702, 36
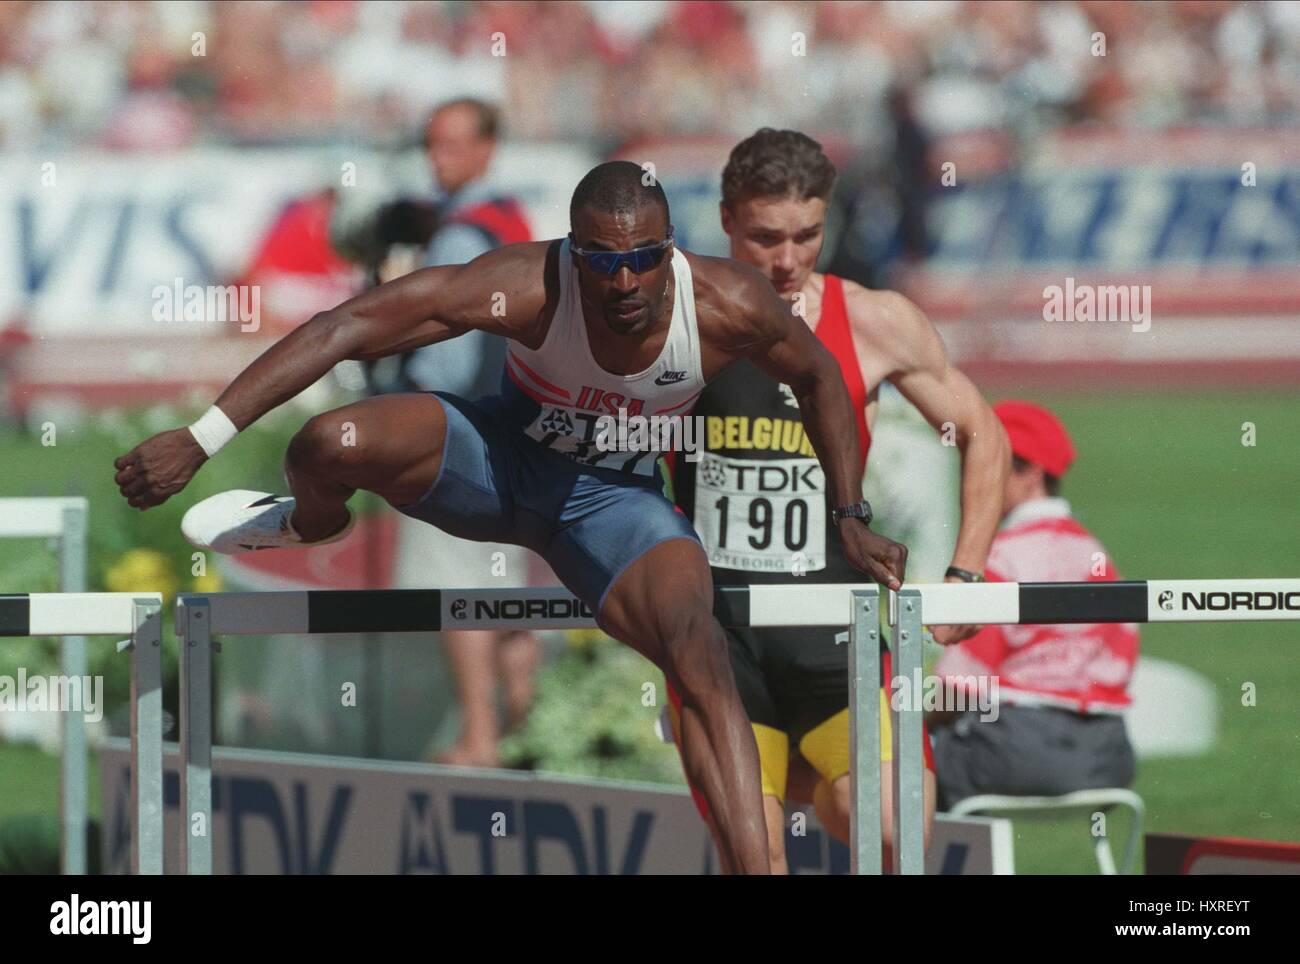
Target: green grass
30, 781
1162, 479
1169, 488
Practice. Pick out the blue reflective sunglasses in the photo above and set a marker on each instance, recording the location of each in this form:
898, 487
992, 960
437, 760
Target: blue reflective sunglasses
637, 260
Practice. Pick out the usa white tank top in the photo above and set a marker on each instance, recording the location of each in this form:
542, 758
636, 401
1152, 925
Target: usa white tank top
579, 405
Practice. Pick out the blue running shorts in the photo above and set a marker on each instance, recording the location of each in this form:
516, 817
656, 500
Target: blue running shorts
498, 485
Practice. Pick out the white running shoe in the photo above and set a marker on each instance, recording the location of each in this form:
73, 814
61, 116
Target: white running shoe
242, 520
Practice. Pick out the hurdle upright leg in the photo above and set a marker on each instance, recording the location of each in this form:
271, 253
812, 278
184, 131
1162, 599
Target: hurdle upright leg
74, 787
908, 772
866, 852
194, 620
145, 645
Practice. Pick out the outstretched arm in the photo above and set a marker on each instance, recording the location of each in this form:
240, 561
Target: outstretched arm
785, 348
502, 292
918, 365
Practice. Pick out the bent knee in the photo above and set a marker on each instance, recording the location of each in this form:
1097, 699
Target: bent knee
833, 803
696, 656
327, 440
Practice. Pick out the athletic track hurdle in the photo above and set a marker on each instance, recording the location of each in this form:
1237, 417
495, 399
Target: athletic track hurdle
139, 617
63, 521
201, 617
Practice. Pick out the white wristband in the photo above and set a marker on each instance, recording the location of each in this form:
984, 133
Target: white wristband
213, 430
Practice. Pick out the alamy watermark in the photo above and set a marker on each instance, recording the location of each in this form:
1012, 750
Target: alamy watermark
66, 694
127, 918
948, 694
651, 433
1085, 302
208, 303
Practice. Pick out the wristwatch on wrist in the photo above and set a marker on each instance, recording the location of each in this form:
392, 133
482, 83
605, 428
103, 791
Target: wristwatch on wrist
965, 575
858, 510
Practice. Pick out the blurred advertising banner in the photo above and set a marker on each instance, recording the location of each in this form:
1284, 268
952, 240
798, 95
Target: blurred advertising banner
128, 279
1163, 256
87, 252
1201, 215
90, 243
286, 813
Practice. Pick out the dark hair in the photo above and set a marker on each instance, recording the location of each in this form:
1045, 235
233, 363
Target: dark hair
487, 116
1051, 482
617, 187
773, 163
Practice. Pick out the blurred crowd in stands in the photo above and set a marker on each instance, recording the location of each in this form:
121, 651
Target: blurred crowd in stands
135, 74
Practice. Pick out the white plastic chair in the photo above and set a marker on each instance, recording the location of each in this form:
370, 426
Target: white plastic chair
1091, 800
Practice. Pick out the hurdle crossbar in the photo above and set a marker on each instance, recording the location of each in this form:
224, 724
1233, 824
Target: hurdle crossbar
813, 604
138, 616
63, 520
37, 518
201, 617
1000, 603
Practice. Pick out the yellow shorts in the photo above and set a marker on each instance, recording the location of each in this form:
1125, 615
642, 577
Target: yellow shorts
825, 747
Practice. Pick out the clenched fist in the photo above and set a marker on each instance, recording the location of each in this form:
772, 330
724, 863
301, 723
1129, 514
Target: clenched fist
883, 559
158, 468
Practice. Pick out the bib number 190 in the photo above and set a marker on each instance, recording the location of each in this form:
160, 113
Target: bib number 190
794, 525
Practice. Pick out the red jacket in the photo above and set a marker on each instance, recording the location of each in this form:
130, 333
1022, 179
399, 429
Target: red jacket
502, 219
1084, 666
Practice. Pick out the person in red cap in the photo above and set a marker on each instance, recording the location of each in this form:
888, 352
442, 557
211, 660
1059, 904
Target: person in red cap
1056, 723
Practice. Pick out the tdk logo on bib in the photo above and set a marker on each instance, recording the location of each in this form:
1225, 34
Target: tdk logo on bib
794, 476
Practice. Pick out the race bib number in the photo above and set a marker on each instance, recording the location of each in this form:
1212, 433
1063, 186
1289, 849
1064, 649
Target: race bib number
762, 516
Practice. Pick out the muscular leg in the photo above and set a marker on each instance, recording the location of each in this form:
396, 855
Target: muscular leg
518, 656
662, 606
832, 801
470, 653
724, 868
390, 445
478, 658
774, 820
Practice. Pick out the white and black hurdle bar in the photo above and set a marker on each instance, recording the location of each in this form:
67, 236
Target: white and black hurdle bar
64, 522
201, 617
138, 616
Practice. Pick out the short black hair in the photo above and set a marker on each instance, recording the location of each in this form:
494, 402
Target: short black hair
772, 163
1050, 482
617, 187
